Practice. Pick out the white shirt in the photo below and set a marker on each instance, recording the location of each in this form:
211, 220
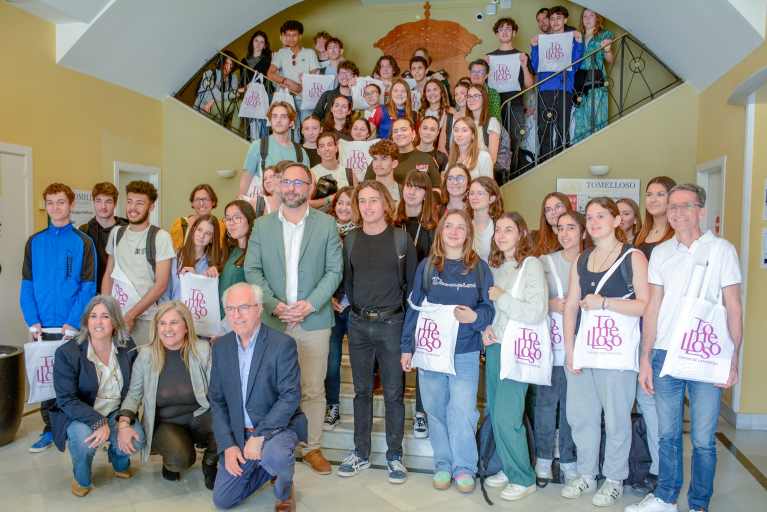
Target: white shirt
484, 166
110, 380
671, 266
493, 126
292, 235
305, 62
482, 240
338, 174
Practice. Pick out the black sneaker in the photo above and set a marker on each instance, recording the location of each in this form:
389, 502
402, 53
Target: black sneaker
332, 417
647, 485
172, 476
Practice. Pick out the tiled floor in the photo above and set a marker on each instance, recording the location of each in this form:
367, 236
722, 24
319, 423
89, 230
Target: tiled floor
39, 482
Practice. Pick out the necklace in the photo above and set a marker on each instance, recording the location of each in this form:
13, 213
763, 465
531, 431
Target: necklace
618, 244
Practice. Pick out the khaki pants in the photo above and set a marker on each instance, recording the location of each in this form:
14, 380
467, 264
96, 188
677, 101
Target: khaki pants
313, 347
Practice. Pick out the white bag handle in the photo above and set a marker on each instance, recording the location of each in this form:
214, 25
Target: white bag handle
612, 270
518, 280
711, 264
557, 280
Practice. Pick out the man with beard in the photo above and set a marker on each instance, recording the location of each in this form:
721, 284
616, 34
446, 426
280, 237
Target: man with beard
138, 268
104, 197
299, 241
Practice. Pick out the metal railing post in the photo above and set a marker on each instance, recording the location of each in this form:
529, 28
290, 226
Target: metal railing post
623, 64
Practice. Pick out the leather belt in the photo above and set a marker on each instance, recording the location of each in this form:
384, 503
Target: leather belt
370, 313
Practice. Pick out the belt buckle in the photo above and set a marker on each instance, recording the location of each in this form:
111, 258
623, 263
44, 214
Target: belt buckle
370, 314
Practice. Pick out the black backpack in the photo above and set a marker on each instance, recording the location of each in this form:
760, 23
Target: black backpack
151, 244
640, 459
265, 152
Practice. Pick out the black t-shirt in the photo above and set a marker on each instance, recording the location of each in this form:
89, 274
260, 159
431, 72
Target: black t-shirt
507, 95
409, 161
176, 402
100, 235
314, 157
422, 238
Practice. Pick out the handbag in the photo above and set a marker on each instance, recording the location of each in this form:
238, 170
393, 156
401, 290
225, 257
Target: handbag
526, 354
256, 100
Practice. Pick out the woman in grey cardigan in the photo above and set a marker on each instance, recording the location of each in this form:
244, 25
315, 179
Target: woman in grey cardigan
170, 380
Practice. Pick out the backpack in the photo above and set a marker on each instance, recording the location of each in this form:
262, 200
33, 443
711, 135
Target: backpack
640, 459
151, 243
504, 158
401, 240
265, 151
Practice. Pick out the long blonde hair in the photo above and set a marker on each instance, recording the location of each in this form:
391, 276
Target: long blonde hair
190, 340
473, 151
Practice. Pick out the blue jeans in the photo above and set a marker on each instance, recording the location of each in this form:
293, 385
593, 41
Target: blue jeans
333, 375
704, 413
547, 400
451, 403
82, 454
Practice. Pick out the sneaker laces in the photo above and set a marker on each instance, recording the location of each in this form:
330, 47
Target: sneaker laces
420, 423
613, 491
396, 465
351, 460
331, 414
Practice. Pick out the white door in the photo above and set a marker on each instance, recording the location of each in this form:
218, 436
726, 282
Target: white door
15, 227
124, 173
711, 176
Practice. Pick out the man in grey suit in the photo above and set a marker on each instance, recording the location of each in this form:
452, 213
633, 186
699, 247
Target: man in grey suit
294, 256
254, 398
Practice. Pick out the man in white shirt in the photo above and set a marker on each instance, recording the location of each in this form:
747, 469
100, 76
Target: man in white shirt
139, 262
289, 64
672, 265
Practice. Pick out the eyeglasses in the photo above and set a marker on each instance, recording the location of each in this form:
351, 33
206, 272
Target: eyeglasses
556, 208
474, 96
236, 219
202, 200
456, 179
241, 309
285, 183
678, 207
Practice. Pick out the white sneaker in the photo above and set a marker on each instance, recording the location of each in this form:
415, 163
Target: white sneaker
514, 492
578, 486
497, 480
608, 494
652, 504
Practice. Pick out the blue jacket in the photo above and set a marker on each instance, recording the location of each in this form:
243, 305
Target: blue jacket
58, 277
452, 286
76, 385
555, 84
274, 389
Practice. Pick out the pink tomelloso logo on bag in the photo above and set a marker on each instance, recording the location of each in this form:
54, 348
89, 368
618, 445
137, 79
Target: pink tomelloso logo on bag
501, 73
356, 160
527, 347
555, 51
44, 372
427, 336
701, 341
605, 335
555, 332
121, 296
316, 91
197, 304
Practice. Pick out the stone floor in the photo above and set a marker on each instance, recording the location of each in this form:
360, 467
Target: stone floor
39, 482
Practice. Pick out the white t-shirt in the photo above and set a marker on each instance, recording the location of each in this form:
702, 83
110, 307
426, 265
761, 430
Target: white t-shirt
305, 61
131, 256
482, 241
339, 174
562, 267
484, 165
671, 266
493, 126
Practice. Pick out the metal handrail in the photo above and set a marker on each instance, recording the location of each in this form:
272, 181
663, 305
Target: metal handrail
222, 54
561, 72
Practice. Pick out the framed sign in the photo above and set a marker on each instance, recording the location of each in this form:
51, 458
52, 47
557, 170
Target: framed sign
82, 210
581, 190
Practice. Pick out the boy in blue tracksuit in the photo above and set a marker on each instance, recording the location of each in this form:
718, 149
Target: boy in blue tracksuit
555, 98
58, 279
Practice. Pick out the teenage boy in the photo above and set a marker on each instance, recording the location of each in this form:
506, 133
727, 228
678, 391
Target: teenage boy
403, 135
290, 63
513, 114
58, 278
553, 108
139, 260
104, 197
385, 160
277, 147
294, 256
320, 40
334, 49
379, 265
419, 68
671, 265
329, 166
347, 74
479, 70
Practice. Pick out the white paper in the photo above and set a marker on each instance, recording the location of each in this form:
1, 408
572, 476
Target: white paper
504, 72
355, 155
555, 51
358, 90
312, 87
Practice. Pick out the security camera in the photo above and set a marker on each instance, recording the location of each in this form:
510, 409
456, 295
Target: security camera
479, 16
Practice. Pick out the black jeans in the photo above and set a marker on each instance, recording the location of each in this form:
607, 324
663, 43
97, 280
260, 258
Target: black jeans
175, 442
371, 341
553, 122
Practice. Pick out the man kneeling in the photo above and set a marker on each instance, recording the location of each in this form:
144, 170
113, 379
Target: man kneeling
254, 395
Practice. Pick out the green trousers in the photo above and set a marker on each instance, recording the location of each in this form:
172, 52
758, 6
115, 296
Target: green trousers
506, 405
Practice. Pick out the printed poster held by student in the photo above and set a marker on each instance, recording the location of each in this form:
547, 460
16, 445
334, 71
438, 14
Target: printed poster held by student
504, 72
415, 93
255, 104
314, 86
555, 52
355, 155
358, 92
436, 333
200, 294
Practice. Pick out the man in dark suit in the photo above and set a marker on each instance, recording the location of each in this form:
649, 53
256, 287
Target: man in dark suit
254, 395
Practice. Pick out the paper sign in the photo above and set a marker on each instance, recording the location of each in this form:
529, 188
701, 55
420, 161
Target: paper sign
355, 155
82, 210
312, 87
555, 51
504, 72
358, 91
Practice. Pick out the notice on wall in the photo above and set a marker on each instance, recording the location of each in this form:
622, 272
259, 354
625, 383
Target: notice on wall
582, 190
82, 211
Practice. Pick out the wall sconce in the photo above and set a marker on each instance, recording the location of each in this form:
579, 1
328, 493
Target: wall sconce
226, 173
599, 170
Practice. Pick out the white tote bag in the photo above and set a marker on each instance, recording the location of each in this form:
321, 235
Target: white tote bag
200, 294
314, 86
701, 347
504, 72
355, 155
555, 51
526, 347
556, 320
38, 361
606, 339
436, 332
123, 290
255, 103
283, 94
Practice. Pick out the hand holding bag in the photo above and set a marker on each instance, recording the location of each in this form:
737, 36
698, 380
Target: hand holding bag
38, 361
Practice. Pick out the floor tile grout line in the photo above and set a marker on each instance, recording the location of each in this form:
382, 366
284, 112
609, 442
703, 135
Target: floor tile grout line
744, 461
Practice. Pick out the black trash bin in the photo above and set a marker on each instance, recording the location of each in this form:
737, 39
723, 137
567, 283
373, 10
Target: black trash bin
11, 391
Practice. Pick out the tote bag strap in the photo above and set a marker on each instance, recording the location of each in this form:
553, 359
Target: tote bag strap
612, 270
518, 280
712, 265
557, 280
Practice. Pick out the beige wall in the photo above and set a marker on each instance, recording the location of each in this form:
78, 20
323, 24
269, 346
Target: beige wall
77, 126
657, 139
194, 148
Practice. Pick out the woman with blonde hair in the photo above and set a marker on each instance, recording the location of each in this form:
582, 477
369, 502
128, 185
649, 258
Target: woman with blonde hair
170, 383
465, 149
455, 188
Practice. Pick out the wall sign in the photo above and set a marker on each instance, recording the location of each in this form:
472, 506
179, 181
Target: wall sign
82, 210
581, 190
